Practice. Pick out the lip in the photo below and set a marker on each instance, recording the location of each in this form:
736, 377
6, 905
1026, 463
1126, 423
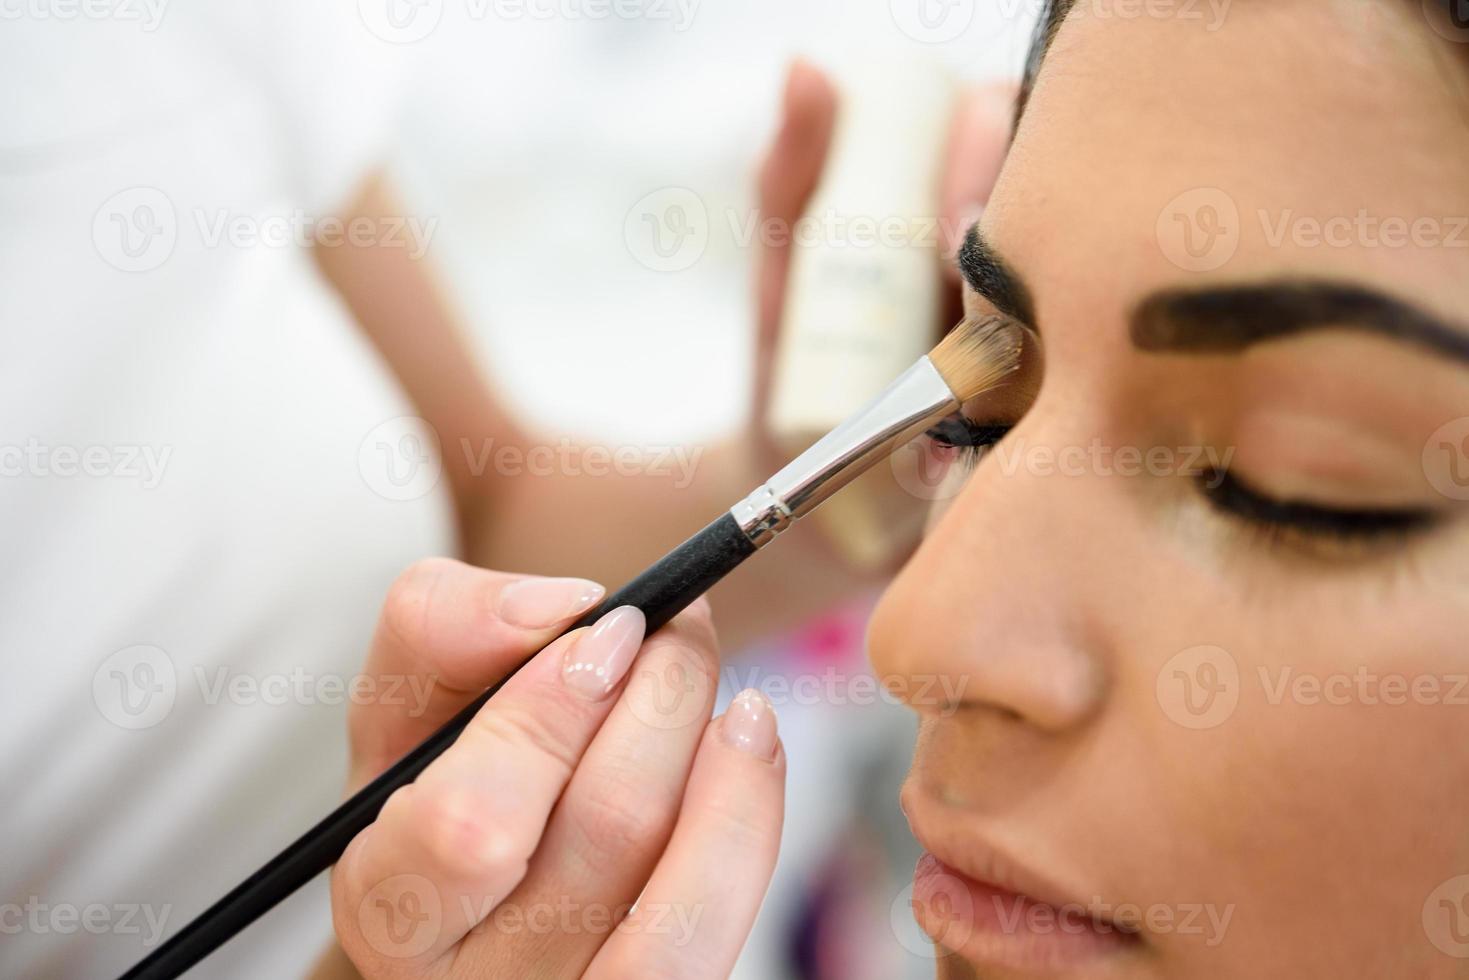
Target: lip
974, 900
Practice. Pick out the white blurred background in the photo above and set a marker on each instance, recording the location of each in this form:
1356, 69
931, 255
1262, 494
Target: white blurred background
531, 140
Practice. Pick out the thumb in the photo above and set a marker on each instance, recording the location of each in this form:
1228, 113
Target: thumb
448, 631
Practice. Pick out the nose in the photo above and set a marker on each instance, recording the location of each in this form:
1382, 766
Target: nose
994, 607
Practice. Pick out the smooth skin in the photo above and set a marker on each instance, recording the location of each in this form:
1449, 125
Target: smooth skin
1328, 827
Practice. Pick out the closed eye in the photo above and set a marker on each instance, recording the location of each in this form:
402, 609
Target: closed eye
1229, 493
960, 432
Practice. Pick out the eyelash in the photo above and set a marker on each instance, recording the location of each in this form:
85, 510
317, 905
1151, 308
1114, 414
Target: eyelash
968, 437
1229, 494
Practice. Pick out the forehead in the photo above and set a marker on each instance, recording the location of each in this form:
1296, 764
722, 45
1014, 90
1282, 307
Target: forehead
1281, 123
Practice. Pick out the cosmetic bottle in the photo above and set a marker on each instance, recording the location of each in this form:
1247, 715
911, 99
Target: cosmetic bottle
864, 291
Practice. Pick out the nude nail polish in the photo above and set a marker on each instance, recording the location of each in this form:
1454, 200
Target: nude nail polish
596, 661
749, 725
540, 603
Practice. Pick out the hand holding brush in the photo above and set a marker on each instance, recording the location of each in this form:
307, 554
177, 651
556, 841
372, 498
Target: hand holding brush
493, 772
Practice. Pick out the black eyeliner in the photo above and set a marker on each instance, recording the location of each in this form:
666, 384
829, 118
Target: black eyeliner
1227, 492
961, 432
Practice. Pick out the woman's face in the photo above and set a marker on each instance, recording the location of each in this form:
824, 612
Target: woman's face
1226, 718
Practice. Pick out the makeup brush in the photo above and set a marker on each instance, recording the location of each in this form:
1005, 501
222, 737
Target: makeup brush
977, 355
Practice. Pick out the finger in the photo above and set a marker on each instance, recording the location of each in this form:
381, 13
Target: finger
447, 631
460, 837
614, 820
793, 164
694, 916
978, 141
787, 179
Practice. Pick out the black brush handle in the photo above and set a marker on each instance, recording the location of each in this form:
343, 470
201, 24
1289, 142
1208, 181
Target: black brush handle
661, 592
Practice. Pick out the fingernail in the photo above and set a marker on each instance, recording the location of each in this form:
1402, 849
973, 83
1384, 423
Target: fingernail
598, 659
749, 725
539, 603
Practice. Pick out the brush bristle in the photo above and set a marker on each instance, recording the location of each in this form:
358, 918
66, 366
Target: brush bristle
978, 354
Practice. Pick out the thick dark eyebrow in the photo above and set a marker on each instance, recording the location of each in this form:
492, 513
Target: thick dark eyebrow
989, 276
1229, 319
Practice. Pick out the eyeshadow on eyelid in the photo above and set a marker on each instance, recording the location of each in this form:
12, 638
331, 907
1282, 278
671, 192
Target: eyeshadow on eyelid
1306, 454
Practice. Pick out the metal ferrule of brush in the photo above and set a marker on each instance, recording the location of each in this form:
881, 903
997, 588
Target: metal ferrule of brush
906, 408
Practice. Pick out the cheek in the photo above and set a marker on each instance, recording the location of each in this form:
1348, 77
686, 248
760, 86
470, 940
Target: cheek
1303, 749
